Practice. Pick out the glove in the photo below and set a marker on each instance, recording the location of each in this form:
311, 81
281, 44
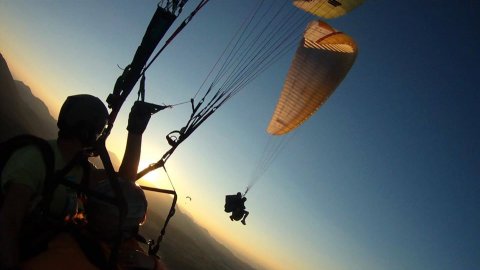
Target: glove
139, 117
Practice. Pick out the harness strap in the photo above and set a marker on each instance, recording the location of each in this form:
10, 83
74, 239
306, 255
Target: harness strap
58, 178
8, 147
141, 89
38, 229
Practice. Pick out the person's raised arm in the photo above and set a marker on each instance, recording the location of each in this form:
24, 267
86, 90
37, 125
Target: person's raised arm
131, 157
137, 123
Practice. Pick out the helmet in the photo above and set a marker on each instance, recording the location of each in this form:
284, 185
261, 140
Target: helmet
103, 217
82, 117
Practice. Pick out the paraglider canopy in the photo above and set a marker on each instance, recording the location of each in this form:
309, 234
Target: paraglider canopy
322, 60
328, 9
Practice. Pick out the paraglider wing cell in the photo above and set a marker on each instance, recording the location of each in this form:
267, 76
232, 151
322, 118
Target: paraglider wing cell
328, 9
322, 60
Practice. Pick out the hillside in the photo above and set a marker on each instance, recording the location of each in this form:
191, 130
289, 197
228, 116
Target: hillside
186, 245
20, 111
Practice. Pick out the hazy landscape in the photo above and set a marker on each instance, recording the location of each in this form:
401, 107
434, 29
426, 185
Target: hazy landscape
186, 244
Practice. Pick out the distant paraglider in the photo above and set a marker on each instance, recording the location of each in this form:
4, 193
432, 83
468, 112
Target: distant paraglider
235, 204
188, 200
320, 64
322, 60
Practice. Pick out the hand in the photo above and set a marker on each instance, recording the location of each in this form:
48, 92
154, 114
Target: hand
139, 117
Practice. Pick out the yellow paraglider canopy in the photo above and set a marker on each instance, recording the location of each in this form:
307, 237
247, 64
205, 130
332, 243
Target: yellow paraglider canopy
322, 60
328, 9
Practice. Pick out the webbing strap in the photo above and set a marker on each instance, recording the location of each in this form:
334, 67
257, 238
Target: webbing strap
155, 246
8, 147
57, 179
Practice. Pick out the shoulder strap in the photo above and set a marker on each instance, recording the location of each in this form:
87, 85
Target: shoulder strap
8, 147
52, 178
58, 178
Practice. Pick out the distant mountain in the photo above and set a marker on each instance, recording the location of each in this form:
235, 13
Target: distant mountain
186, 245
20, 111
37, 107
23, 113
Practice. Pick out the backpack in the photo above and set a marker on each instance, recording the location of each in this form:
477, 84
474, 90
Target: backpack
39, 228
231, 203
52, 178
7, 148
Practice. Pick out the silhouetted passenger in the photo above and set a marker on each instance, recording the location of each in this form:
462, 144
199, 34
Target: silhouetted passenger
33, 205
236, 203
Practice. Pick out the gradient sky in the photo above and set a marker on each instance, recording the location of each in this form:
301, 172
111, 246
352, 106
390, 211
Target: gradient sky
386, 175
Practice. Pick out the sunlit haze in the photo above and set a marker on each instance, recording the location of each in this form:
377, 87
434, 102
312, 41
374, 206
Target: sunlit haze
384, 176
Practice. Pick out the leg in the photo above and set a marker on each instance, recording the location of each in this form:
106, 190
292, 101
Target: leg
244, 217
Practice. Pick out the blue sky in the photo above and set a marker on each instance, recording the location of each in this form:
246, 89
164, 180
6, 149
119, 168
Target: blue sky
384, 176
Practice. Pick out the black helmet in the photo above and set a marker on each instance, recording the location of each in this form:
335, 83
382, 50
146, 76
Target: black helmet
82, 117
103, 216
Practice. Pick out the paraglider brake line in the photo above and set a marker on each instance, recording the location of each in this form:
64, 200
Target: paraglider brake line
169, 179
154, 246
177, 104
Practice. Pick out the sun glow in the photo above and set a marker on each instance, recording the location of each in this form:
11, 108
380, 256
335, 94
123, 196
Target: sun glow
153, 179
